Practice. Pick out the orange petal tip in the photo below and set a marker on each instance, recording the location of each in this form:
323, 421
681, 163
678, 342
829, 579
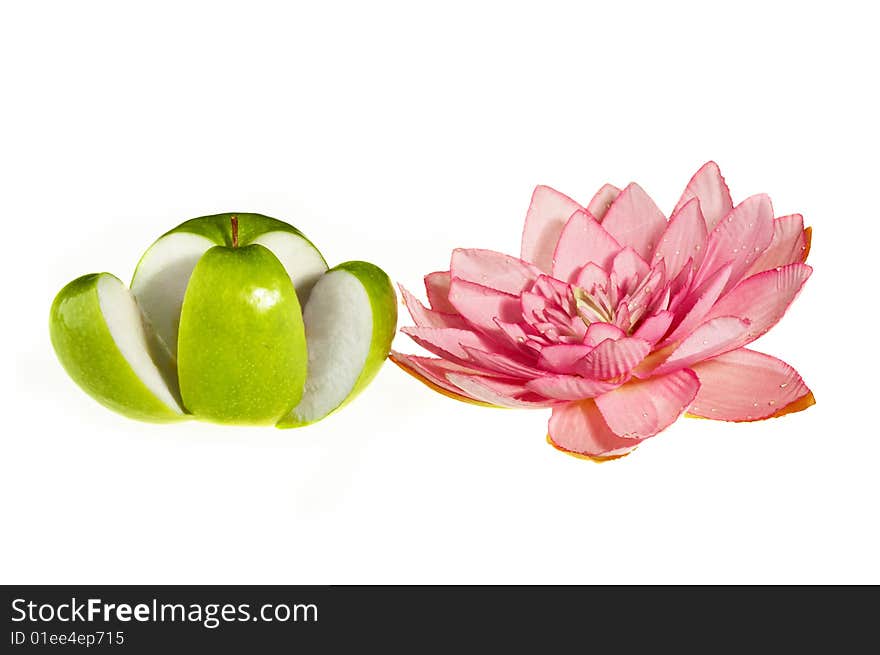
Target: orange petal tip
596, 459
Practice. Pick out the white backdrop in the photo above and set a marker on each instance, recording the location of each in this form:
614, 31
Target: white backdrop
394, 133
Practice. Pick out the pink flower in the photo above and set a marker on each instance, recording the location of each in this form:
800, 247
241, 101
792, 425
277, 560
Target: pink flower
618, 319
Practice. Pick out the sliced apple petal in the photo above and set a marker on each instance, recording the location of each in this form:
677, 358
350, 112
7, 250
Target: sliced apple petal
242, 350
160, 281
100, 338
350, 320
303, 262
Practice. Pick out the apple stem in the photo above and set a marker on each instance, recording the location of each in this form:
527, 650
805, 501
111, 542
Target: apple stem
234, 221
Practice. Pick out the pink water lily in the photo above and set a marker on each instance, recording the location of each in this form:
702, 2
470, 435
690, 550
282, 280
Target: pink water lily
619, 319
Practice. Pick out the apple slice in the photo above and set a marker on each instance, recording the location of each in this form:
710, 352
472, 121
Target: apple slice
163, 273
242, 355
100, 338
350, 320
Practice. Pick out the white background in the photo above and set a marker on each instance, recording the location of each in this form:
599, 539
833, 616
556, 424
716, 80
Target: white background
395, 133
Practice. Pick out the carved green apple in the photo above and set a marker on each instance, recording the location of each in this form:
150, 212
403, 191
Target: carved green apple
231, 318
162, 275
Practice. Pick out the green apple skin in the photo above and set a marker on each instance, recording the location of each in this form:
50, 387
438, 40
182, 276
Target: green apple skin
242, 355
383, 303
87, 351
250, 226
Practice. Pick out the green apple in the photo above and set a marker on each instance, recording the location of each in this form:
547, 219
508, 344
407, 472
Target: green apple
101, 340
231, 318
161, 277
350, 320
241, 347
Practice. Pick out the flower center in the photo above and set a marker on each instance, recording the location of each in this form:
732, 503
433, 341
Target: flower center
593, 306
623, 304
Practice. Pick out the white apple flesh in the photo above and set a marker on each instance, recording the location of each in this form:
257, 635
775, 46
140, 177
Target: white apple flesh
160, 281
350, 320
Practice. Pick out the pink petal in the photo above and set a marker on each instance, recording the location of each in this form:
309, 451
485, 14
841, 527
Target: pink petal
622, 319
425, 317
708, 186
654, 327
583, 240
447, 342
548, 213
550, 331
601, 202
497, 392
581, 429
627, 270
591, 276
481, 306
552, 289
437, 287
493, 269
502, 364
651, 294
710, 339
599, 332
561, 318
561, 358
787, 247
694, 310
569, 387
661, 301
642, 408
518, 338
745, 385
433, 367
681, 286
532, 306
763, 298
432, 372
684, 239
634, 220
740, 238
612, 359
